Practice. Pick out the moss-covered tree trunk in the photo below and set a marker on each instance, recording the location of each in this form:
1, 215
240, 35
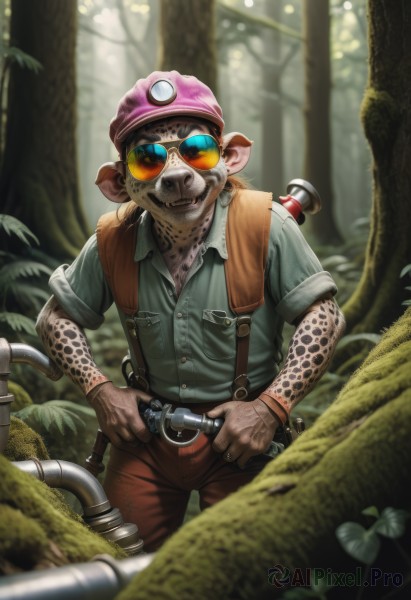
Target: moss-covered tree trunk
386, 117
187, 32
356, 455
317, 125
38, 182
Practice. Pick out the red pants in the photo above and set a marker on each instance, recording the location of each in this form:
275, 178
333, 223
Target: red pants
151, 483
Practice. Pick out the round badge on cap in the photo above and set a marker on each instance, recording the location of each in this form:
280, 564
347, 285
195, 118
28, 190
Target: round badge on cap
162, 92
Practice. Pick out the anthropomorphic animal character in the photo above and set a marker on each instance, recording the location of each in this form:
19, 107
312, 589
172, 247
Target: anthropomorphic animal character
176, 176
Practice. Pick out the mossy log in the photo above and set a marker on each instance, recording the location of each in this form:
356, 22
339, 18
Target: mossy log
21, 396
38, 529
356, 455
24, 443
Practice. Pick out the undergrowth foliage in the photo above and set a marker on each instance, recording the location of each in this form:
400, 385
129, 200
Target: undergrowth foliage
27, 269
407, 272
56, 417
24, 272
345, 263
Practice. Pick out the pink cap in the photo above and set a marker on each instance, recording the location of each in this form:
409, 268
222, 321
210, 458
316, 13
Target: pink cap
163, 94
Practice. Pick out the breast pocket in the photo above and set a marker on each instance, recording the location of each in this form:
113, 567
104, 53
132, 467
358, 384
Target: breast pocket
150, 333
219, 334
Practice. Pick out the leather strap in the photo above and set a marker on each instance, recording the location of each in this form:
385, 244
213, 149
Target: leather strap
116, 244
276, 408
139, 379
241, 382
247, 235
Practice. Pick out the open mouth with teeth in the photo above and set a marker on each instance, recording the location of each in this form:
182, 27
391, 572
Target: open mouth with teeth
180, 201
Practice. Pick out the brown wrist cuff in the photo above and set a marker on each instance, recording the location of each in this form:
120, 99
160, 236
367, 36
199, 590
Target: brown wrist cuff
92, 392
276, 408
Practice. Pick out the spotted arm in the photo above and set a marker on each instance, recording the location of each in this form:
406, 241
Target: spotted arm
309, 354
66, 344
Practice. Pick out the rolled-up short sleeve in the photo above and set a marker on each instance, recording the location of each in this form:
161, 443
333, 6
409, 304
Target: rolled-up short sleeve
296, 278
81, 288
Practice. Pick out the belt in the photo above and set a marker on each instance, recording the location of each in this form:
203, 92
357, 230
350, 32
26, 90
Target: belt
203, 407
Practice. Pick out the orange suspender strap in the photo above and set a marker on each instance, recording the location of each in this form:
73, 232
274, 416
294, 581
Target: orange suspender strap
247, 235
116, 246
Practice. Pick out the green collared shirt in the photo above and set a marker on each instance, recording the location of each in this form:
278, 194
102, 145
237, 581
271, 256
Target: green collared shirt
189, 342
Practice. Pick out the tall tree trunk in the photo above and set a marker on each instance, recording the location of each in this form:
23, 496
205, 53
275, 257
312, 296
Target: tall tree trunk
188, 39
317, 151
386, 117
272, 117
39, 183
356, 455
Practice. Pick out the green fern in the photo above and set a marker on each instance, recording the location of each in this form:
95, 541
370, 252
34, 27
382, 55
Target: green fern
346, 340
13, 226
31, 298
22, 280
406, 271
12, 54
15, 322
22, 268
56, 415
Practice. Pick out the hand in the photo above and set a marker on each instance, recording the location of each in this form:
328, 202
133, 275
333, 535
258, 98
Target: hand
248, 429
117, 412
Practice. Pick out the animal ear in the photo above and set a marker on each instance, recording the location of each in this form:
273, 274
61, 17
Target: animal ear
112, 182
236, 151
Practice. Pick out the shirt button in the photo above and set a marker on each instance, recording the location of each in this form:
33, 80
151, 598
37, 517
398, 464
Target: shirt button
184, 385
227, 322
179, 315
183, 359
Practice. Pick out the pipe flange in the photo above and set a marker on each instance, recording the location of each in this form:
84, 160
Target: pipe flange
127, 537
106, 521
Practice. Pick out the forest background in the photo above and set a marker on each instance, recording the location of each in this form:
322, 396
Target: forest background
291, 75
323, 88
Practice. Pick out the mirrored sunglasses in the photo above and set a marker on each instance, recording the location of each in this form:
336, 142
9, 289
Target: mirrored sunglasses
147, 161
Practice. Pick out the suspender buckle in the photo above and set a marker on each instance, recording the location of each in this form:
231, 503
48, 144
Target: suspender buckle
240, 387
243, 326
138, 381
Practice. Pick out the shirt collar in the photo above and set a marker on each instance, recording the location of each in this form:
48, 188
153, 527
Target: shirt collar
145, 240
216, 237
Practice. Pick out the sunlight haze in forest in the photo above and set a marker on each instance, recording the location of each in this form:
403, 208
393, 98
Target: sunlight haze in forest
118, 43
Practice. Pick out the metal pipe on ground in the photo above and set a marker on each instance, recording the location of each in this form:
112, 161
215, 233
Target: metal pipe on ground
101, 579
97, 510
18, 353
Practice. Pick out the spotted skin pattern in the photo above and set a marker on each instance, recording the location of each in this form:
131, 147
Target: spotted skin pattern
181, 199
309, 353
180, 231
67, 345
